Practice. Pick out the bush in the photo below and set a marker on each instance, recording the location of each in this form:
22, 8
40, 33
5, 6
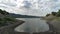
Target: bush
3, 12
9, 19
47, 15
58, 14
6, 20
2, 22
54, 13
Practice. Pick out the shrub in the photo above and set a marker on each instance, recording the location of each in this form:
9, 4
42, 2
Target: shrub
6, 20
9, 18
3, 12
2, 22
58, 14
54, 13
47, 15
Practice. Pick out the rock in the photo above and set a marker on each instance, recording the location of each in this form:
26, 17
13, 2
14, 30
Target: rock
10, 28
56, 25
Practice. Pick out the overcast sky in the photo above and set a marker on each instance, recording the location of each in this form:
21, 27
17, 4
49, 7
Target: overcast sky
30, 7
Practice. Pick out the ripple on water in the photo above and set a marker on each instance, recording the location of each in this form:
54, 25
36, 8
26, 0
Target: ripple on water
32, 25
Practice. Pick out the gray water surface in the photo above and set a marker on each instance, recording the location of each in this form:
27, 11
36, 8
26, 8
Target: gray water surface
32, 25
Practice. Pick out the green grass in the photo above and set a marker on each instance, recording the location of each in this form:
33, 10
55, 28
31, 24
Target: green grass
5, 20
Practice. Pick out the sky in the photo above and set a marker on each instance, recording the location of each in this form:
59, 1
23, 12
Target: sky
30, 7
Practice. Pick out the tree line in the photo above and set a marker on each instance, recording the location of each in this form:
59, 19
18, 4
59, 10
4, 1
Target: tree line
3, 12
57, 14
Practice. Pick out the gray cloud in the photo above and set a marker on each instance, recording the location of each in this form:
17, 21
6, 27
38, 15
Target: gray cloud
37, 7
27, 4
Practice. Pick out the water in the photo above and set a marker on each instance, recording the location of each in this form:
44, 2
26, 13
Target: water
32, 25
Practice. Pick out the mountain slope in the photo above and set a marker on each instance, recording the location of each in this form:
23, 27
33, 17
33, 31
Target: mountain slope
22, 16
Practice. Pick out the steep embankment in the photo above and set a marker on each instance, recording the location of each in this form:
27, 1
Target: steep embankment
55, 22
8, 23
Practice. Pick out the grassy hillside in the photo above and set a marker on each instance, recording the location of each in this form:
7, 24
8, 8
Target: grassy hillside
5, 19
53, 16
22, 16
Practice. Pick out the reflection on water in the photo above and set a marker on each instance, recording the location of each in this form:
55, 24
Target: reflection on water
32, 25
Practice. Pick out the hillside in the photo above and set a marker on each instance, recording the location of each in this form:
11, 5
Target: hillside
6, 19
22, 16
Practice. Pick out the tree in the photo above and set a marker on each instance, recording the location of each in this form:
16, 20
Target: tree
3, 12
47, 15
58, 14
54, 13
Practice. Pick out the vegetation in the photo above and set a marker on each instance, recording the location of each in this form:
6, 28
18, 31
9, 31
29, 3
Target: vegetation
3, 12
54, 13
53, 16
6, 20
57, 14
47, 15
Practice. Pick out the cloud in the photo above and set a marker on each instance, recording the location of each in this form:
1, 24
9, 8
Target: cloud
30, 7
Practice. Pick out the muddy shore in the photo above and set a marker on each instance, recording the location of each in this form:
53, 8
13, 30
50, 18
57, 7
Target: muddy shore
10, 29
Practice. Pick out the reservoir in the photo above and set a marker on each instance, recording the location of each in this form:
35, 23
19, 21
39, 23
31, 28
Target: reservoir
32, 25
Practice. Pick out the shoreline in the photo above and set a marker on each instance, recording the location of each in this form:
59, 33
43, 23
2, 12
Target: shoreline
10, 30
51, 27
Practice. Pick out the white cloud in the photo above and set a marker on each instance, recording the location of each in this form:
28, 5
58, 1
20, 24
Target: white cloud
30, 7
